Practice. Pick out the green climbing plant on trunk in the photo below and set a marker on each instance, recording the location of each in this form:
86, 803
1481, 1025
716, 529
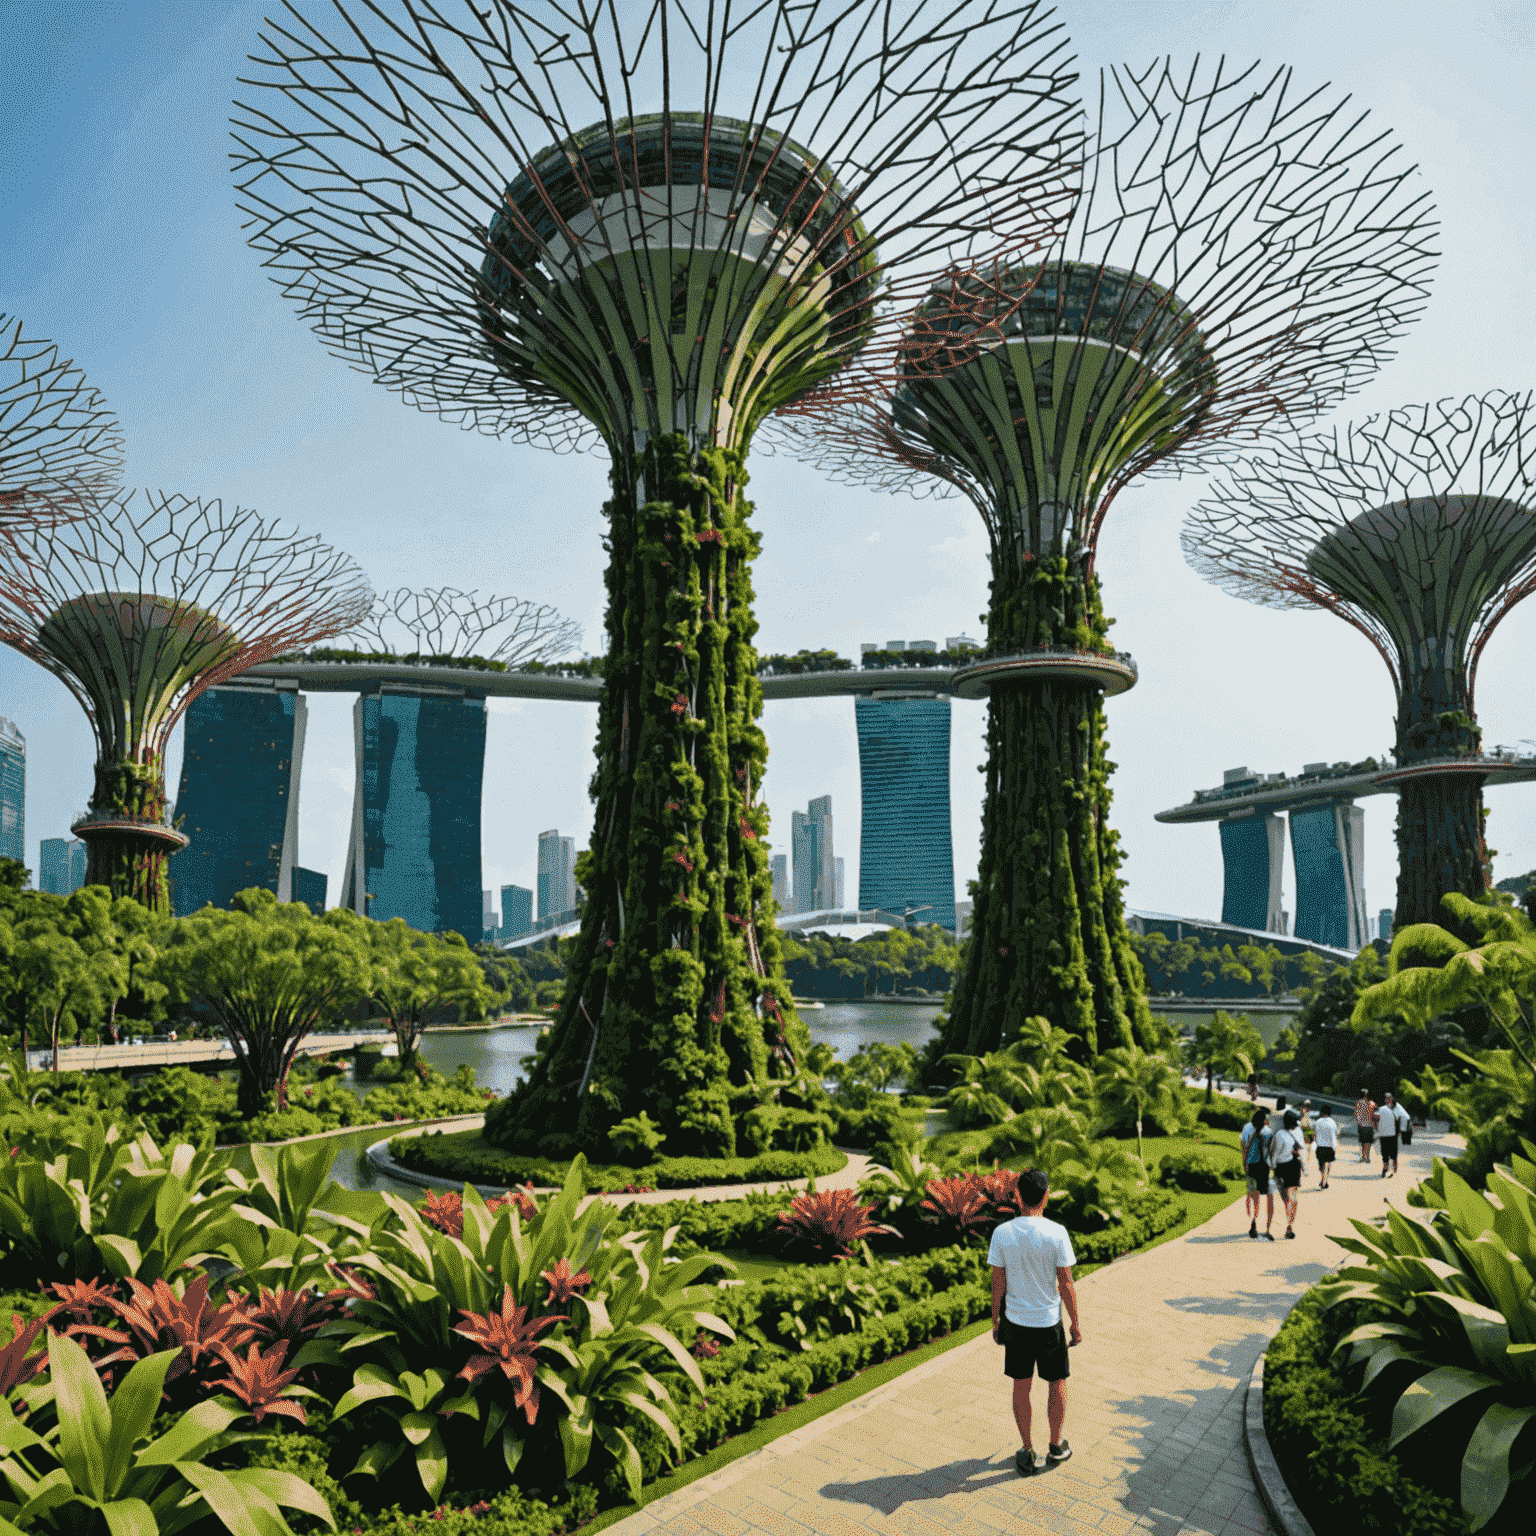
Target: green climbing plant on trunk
1048, 933
675, 1001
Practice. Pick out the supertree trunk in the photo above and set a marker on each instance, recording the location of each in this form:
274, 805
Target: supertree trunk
1048, 932
675, 1001
128, 842
1440, 845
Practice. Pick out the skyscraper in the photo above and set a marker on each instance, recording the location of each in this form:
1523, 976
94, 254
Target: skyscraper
557, 874
488, 919
812, 860
516, 911
906, 858
1252, 856
310, 887
61, 866
415, 850
1328, 845
238, 799
13, 791
781, 881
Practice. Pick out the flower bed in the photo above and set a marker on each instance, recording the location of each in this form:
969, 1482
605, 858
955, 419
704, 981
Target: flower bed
467, 1156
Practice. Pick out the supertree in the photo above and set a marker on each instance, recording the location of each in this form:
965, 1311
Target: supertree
1418, 526
536, 220
1244, 252
137, 610
442, 622
60, 451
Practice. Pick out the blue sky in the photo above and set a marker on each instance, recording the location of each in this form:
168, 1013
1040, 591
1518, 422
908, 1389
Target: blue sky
119, 238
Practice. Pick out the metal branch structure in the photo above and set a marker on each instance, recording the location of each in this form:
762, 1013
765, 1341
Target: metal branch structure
442, 622
652, 226
140, 608
61, 454
1244, 253
1418, 527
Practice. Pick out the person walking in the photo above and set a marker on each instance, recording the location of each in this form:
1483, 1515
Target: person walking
1255, 1144
1308, 1131
1285, 1159
1389, 1117
1365, 1123
1327, 1129
1032, 1261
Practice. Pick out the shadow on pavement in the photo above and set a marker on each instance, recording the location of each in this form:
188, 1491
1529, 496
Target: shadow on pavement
888, 1494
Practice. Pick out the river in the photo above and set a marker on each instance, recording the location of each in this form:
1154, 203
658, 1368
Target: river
497, 1055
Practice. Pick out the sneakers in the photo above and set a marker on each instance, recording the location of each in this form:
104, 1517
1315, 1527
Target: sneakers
1024, 1460
1269, 1237
1253, 1229
1289, 1233
1058, 1454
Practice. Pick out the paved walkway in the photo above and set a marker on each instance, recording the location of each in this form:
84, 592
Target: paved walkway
1155, 1415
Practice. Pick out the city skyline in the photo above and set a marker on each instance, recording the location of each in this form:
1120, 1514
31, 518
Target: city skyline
264, 418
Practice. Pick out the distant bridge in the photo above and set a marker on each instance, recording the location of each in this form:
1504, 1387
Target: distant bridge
188, 1053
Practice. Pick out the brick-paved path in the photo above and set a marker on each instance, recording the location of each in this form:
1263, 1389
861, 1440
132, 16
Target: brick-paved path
1155, 1411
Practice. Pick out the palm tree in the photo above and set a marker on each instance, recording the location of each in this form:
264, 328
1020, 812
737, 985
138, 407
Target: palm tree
1131, 1078
1223, 1044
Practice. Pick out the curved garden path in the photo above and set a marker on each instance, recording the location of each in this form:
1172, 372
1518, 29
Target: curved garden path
1155, 1412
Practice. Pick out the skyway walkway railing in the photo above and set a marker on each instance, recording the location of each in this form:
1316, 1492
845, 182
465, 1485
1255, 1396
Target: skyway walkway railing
187, 1053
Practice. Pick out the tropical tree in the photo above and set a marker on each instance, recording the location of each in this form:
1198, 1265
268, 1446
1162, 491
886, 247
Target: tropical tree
67, 962
1222, 1044
268, 973
416, 974
1131, 1083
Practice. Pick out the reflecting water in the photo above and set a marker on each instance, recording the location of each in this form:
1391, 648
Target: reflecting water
497, 1055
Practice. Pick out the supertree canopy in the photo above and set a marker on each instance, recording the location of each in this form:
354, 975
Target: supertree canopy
441, 622
137, 610
1418, 527
60, 451
558, 224
1244, 252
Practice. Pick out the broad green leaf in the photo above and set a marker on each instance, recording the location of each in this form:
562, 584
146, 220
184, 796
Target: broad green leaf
1433, 1394
674, 1346
130, 1517
85, 1421
643, 1404
121, 1255
45, 1494
1485, 1462
416, 1427
377, 1458
223, 1497
188, 1438
287, 1489
370, 1383
432, 1465
576, 1438
511, 1448
1389, 1354
133, 1408
619, 1446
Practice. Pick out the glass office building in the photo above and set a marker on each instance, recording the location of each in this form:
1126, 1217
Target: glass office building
238, 799
1253, 858
13, 791
61, 865
557, 874
516, 911
415, 847
1328, 845
906, 858
813, 865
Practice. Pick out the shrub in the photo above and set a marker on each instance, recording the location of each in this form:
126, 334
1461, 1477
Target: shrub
1222, 1114
636, 1139
1341, 1474
1206, 1170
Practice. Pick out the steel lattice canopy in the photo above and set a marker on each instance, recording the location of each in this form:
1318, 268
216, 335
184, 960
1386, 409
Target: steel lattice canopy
677, 274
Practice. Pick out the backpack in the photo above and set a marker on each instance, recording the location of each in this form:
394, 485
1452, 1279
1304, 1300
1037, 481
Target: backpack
1256, 1152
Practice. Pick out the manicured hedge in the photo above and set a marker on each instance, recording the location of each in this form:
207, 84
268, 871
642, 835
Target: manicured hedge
1335, 1463
1204, 1169
466, 1156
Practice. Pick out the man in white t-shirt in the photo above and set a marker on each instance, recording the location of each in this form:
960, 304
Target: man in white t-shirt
1327, 1129
1032, 1261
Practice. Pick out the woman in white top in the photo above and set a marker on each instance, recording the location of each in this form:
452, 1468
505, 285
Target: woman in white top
1327, 1130
1285, 1158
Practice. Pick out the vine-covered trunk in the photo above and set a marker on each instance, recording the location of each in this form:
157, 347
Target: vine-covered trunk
675, 1001
127, 861
1048, 932
1440, 843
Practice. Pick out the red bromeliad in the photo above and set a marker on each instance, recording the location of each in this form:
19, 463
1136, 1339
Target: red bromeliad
509, 1339
259, 1381
959, 1202
291, 1316
18, 1365
830, 1221
563, 1285
189, 1323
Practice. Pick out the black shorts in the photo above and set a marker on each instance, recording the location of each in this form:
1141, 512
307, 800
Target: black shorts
1288, 1174
1389, 1147
1366, 1135
1258, 1178
1324, 1156
1035, 1351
